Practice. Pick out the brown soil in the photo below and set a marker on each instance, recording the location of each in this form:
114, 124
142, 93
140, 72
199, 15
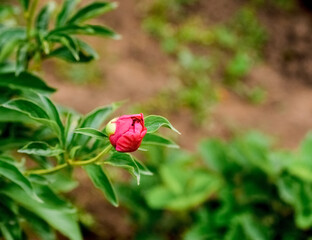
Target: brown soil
135, 69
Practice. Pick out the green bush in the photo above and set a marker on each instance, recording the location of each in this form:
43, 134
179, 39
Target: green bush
241, 189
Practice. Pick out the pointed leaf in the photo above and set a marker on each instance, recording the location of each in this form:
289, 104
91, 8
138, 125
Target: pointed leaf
22, 59
43, 18
25, 81
154, 122
50, 210
66, 11
11, 172
53, 114
85, 53
91, 11
33, 111
153, 139
142, 168
91, 132
40, 149
38, 225
94, 30
70, 43
9, 40
93, 120
102, 182
124, 160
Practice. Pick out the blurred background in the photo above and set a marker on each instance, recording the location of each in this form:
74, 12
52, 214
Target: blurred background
215, 69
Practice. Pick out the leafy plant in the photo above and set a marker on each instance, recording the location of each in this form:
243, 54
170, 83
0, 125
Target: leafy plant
41, 142
243, 188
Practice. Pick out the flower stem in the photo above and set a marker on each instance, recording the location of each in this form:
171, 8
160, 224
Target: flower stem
92, 160
69, 163
47, 171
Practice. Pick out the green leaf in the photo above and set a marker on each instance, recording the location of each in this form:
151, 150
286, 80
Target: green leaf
24, 3
11, 172
9, 40
9, 222
51, 209
102, 182
43, 18
91, 132
40, 149
153, 139
154, 122
11, 230
53, 114
142, 168
238, 67
91, 11
86, 30
93, 120
85, 53
245, 226
213, 152
24, 81
8, 49
38, 225
305, 150
124, 160
10, 143
174, 194
11, 33
66, 11
62, 181
298, 194
8, 115
6, 67
33, 111
70, 125
22, 59
70, 43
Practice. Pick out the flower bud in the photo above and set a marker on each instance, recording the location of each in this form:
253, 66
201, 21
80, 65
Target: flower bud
126, 132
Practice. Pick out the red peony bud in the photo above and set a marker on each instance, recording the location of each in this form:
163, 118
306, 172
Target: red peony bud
126, 132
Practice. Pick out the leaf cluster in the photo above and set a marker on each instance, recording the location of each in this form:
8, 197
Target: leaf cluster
243, 189
44, 37
42, 142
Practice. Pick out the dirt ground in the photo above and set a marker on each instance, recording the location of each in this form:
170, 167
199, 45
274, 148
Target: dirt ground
135, 69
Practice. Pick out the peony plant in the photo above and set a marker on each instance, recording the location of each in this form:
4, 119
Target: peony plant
41, 142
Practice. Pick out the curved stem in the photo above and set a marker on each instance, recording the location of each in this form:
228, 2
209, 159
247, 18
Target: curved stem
47, 171
70, 163
92, 160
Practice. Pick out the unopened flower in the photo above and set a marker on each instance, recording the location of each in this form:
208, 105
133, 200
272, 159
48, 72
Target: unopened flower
126, 132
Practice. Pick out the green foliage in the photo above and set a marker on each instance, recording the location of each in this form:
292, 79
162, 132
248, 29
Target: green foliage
101, 181
39, 40
241, 189
56, 148
40, 142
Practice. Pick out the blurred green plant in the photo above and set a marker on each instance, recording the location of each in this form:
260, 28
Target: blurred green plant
80, 74
42, 143
207, 58
241, 189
